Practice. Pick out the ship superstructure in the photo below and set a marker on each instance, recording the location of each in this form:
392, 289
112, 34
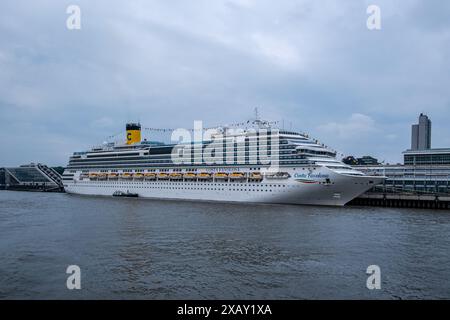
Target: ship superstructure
255, 164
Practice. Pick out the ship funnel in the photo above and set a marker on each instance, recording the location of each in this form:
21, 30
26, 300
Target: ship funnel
133, 133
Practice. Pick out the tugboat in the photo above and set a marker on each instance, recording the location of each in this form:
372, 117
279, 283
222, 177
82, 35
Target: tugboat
125, 194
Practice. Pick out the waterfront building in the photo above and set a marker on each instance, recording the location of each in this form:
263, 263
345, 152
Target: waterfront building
429, 157
30, 177
411, 178
424, 170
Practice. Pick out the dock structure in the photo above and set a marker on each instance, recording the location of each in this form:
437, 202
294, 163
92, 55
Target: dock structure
31, 177
409, 186
403, 200
422, 181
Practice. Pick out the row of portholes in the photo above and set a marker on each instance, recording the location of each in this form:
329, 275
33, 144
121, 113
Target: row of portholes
187, 188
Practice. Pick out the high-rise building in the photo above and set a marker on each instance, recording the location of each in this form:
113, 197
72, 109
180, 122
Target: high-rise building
421, 134
421, 153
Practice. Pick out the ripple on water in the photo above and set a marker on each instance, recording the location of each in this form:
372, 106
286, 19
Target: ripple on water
133, 248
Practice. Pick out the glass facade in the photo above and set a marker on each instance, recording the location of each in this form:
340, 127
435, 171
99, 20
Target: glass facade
28, 175
427, 159
420, 179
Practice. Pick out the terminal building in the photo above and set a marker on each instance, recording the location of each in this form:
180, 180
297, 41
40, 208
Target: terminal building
424, 169
427, 157
31, 177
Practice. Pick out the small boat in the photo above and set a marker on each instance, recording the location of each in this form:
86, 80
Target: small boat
138, 176
221, 176
150, 176
93, 176
102, 176
113, 176
125, 194
175, 176
126, 176
190, 176
256, 176
163, 176
237, 176
204, 176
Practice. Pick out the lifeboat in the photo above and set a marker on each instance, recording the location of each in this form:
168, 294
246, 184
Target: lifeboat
150, 176
113, 176
237, 176
126, 176
93, 176
204, 176
138, 176
190, 176
256, 176
102, 176
175, 176
221, 176
163, 176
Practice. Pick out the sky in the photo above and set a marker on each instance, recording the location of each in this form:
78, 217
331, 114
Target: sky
312, 65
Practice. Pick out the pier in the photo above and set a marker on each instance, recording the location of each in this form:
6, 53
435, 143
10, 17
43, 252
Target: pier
403, 200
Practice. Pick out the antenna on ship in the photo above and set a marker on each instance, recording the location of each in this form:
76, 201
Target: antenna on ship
256, 114
257, 120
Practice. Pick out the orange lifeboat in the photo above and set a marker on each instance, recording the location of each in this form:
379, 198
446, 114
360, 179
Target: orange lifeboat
190, 176
150, 176
221, 176
237, 176
126, 176
256, 176
93, 176
175, 176
163, 176
113, 176
204, 176
138, 176
102, 176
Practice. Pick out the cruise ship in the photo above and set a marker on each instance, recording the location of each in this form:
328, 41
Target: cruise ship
256, 164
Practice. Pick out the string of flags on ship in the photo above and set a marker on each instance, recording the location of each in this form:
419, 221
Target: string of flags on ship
239, 124
171, 130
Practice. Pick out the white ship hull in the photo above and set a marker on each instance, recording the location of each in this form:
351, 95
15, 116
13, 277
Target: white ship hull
337, 192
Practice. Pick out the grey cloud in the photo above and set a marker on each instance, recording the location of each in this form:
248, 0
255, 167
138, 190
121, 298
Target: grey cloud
168, 63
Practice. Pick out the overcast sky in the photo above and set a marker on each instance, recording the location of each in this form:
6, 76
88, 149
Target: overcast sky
167, 63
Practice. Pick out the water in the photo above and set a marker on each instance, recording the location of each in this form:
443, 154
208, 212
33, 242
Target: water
145, 249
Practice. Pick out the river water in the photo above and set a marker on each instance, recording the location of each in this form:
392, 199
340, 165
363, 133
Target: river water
147, 249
